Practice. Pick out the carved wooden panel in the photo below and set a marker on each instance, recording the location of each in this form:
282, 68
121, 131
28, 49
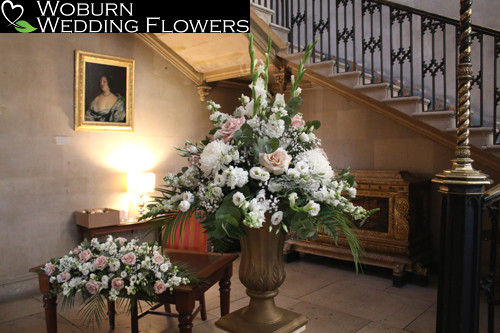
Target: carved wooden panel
397, 236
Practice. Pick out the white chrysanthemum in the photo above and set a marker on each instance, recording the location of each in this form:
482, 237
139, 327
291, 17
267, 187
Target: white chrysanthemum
318, 163
214, 156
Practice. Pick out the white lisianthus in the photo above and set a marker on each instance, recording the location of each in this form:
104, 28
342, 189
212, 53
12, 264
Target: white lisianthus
302, 167
164, 267
352, 191
274, 187
187, 196
312, 208
293, 173
220, 179
216, 191
277, 217
184, 206
259, 174
304, 137
292, 197
238, 198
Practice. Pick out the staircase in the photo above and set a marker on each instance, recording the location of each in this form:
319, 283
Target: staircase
393, 54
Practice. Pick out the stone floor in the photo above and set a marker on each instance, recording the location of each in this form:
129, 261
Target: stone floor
328, 292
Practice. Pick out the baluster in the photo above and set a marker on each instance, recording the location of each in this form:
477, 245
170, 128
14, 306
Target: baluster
478, 79
496, 94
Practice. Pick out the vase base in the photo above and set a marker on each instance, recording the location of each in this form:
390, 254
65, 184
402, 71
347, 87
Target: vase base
290, 322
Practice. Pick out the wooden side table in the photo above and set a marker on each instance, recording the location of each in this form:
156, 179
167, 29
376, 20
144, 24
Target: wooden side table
209, 267
85, 232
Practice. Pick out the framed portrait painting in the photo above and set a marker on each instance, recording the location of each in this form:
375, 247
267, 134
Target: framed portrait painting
104, 92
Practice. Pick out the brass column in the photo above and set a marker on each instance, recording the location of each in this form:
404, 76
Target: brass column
462, 188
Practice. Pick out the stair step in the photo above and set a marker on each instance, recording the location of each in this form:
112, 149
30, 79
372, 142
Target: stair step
264, 13
478, 136
324, 68
295, 57
493, 149
378, 91
281, 32
349, 79
439, 119
409, 105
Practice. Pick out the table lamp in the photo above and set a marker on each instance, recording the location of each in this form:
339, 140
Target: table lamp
140, 183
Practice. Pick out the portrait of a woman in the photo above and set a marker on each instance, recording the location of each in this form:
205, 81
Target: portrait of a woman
104, 92
105, 101
107, 106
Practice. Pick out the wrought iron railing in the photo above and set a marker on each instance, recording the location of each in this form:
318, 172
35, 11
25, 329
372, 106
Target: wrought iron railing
414, 50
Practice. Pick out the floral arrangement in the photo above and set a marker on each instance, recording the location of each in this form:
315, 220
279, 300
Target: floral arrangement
262, 162
112, 269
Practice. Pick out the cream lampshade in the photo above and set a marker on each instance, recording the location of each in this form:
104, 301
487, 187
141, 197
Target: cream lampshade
140, 183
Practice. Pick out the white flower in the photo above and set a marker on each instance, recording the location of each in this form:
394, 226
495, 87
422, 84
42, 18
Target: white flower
214, 156
352, 191
279, 101
304, 137
259, 174
220, 179
312, 208
293, 173
187, 196
165, 266
274, 128
236, 177
302, 167
274, 186
277, 217
318, 164
184, 206
238, 198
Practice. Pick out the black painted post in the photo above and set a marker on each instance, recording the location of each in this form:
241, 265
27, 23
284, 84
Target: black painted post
462, 188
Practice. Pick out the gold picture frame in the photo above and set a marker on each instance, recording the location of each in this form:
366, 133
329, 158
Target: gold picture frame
104, 92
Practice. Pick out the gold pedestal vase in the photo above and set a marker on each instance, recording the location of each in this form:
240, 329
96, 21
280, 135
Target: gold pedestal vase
262, 271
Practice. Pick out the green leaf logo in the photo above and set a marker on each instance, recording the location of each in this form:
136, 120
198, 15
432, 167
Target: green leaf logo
23, 26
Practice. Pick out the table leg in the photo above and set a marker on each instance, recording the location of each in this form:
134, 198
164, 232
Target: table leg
134, 320
184, 303
50, 306
49, 303
225, 289
111, 314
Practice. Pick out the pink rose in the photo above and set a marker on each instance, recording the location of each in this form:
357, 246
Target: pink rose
76, 250
160, 287
158, 258
85, 255
49, 268
100, 262
63, 277
297, 121
276, 162
121, 240
129, 259
117, 284
93, 287
230, 126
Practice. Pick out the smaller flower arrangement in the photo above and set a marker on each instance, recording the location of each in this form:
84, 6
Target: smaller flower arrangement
112, 269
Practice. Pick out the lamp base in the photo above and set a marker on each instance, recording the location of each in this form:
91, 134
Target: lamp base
289, 322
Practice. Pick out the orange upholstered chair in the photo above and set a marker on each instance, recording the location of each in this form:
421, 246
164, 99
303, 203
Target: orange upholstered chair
192, 238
